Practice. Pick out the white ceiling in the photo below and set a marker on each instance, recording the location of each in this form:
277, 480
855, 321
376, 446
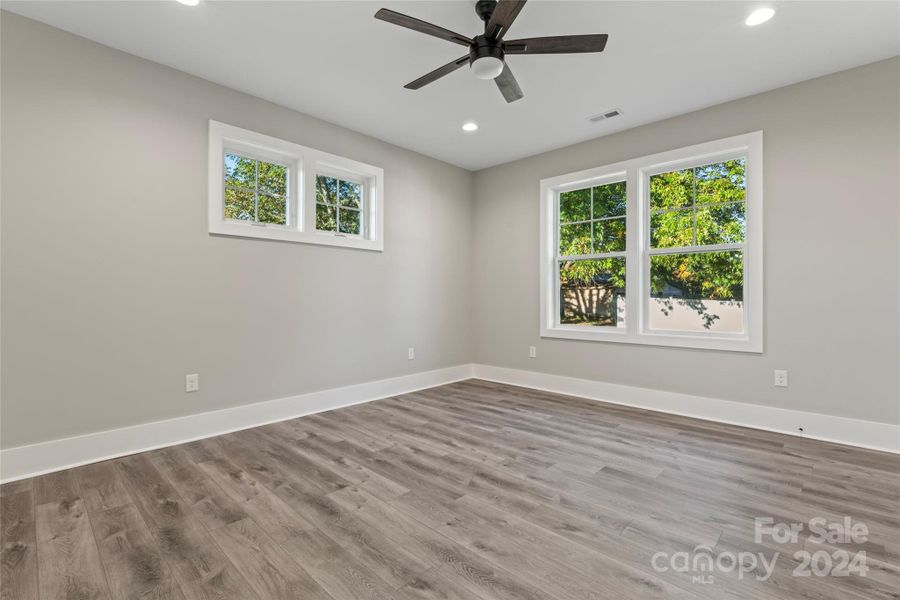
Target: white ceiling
333, 60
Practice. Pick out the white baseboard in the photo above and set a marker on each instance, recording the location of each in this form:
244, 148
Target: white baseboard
55, 455
841, 430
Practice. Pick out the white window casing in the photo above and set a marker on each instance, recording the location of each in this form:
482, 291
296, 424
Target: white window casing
636, 173
303, 165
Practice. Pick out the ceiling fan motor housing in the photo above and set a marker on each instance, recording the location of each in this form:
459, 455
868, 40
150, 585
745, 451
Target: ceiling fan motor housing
483, 47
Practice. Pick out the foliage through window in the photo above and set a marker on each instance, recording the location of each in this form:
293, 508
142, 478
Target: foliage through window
701, 211
338, 205
591, 255
663, 249
255, 190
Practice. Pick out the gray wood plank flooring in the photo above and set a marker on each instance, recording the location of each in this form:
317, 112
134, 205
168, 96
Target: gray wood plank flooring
469, 491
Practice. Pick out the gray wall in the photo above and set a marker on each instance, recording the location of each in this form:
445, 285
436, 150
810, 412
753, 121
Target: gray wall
112, 290
832, 212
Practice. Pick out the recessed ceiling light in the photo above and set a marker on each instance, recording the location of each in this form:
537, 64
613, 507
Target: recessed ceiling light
189, 2
759, 16
470, 126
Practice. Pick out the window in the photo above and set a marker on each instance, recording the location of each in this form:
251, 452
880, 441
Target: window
264, 187
255, 190
663, 249
591, 258
339, 205
697, 225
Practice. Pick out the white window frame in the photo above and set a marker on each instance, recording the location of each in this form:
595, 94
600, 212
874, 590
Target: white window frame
636, 173
303, 164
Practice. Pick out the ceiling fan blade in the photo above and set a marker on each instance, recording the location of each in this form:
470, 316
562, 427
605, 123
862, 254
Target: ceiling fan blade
437, 73
503, 16
508, 85
560, 44
422, 26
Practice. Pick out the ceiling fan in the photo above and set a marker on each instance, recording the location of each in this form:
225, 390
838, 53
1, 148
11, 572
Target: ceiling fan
487, 51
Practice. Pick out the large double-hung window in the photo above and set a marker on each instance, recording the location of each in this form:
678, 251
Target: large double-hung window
663, 249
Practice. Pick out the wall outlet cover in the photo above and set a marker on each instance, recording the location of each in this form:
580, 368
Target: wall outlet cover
781, 378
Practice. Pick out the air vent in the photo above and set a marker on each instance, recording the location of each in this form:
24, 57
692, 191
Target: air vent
609, 114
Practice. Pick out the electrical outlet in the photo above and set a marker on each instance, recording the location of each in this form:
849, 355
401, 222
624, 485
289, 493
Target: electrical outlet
411, 353
532, 352
192, 382
781, 378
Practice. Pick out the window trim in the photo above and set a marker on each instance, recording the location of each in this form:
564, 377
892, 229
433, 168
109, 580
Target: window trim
637, 173
303, 165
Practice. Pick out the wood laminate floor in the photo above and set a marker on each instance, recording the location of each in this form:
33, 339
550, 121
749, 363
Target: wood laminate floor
470, 491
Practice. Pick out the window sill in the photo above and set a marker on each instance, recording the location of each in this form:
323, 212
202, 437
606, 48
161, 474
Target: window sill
286, 234
673, 340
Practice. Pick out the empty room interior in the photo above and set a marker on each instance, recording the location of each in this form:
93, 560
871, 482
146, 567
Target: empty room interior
449, 300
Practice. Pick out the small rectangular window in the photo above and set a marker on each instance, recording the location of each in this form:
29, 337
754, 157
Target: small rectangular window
265, 187
255, 190
339, 205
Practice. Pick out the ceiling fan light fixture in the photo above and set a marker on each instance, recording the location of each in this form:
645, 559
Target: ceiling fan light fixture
486, 50
487, 67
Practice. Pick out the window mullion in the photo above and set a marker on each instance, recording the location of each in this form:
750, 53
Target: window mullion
294, 194
256, 191
596, 256
229, 186
633, 244
591, 225
694, 202
309, 200
697, 249
337, 207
